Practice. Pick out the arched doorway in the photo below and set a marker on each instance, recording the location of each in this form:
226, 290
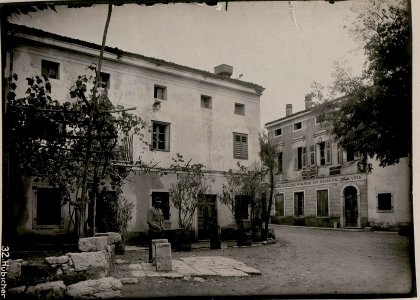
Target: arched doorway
351, 212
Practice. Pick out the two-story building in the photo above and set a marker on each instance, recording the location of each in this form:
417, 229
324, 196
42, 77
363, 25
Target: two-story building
319, 184
208, 118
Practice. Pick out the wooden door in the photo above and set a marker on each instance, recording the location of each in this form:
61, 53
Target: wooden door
351, 211
207, 217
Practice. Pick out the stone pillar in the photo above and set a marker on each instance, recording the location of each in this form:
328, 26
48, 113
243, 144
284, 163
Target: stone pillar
154, 243
163, 257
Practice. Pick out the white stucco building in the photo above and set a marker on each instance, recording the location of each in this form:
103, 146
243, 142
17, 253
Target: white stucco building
206, 117
319, 184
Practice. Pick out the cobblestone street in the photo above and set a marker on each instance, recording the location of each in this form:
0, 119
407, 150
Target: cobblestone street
304, 261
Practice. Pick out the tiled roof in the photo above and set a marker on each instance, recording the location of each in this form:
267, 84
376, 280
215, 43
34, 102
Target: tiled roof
117, 51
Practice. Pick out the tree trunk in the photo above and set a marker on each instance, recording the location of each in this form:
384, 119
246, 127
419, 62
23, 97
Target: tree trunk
82, 217
270, 203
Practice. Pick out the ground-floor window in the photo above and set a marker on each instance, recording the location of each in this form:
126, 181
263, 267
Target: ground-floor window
299, 199
385, 202
322, 203
164, 200
279, 205
48, 206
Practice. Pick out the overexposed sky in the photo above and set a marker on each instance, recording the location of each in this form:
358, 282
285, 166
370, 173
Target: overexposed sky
280, 45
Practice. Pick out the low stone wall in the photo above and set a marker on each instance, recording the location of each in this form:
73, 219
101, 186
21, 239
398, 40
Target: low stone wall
53, 278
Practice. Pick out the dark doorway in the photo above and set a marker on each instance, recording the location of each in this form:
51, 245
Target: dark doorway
350, 206
207, 217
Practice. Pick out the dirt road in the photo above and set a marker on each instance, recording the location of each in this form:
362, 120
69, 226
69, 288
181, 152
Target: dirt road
304, 261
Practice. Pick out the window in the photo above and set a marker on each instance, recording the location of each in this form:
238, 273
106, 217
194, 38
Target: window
164, 206
205, 101
385, 202
297, 126
280, 163
277, 132
104, 80
160, 136
320, 118
48, 206
301, 159
299, 204
239, 109
324, 153
240, 145
322, 203
312, 155
50, 69
350, 154
160, 92
279, 204
241, 207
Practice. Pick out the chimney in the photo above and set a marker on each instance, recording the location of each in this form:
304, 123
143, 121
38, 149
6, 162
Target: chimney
308, 101
223, 70
288, 109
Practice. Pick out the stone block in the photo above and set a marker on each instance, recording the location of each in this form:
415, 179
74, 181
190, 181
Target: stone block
163, 257
14, 270
49, 290
57, 260
154, 243
16, 292
95, 264
104, 288
93, 244
129, 280
113, 237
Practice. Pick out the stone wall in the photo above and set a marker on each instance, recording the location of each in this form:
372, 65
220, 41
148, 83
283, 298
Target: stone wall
57, 276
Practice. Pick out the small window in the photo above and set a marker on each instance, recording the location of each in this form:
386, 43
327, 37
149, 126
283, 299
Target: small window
280, 163
206, 101
277, 132
160, 92
299, 204
48, 206
279, 205
385, 202
163, 197
239, 109
322, 203
50, 69
240, 146
104, 80
297, 126
241, 207
160, 136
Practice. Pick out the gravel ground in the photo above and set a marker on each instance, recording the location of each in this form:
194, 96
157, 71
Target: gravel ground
304, 262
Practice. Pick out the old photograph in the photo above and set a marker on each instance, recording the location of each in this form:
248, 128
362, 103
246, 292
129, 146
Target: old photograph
172, 149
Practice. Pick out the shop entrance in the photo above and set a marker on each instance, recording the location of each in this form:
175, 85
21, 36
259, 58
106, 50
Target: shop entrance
350, 206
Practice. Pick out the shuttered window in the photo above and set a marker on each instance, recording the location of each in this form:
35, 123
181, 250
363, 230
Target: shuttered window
50, 69
322, 203
304, 158
240, 146
312, 155
328, 152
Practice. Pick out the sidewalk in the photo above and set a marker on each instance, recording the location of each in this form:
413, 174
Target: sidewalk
202, 266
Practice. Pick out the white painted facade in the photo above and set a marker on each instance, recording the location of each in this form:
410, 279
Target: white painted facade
204, 135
